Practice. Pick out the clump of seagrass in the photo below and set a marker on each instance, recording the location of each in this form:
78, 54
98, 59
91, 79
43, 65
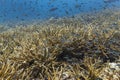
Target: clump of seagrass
96, 45
53, 52
78, 51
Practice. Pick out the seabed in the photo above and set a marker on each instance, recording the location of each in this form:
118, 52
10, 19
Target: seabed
84, 47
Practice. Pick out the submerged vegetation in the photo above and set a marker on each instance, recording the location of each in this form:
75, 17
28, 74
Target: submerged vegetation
64, 49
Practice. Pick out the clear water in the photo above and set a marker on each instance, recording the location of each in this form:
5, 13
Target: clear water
15, 11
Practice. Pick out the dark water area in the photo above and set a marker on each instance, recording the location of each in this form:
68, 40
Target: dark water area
15, 11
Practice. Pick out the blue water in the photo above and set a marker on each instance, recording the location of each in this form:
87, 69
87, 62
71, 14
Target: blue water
13, 11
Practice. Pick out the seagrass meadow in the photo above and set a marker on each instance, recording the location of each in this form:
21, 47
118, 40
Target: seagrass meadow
83, 47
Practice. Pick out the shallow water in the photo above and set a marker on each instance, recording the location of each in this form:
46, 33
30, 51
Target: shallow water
59, 39
16, 11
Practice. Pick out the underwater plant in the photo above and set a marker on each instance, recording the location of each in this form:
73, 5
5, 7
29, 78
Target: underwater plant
65, 49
